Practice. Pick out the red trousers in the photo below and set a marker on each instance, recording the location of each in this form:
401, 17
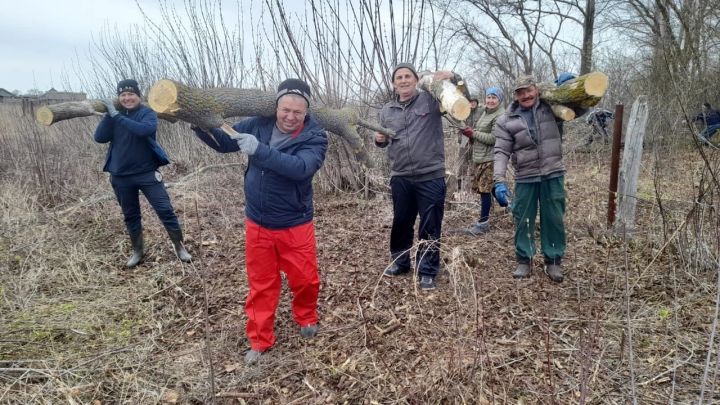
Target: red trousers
267, 252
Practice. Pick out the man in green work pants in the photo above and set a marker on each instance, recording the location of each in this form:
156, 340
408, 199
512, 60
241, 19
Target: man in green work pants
529, 136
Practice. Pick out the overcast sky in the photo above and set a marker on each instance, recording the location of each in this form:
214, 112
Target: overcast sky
42, 39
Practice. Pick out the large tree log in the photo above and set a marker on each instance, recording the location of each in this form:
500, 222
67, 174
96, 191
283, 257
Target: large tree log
582, 92
207, 108
50, 114
451, 98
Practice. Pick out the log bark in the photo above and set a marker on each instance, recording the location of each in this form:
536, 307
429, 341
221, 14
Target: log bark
50, 114
208, 107
582, 92
449, 95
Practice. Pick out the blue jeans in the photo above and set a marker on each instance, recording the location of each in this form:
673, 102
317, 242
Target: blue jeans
410, 198
709, 131
127, 190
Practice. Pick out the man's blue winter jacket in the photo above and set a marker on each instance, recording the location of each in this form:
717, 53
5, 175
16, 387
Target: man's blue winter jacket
278, 182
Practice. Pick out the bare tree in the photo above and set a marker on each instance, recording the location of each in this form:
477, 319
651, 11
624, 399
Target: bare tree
346, 49
512, 37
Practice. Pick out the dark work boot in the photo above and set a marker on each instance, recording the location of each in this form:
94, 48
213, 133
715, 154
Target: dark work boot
554, 271
177, 240
309, 331
394, 270
138, 249
523, 270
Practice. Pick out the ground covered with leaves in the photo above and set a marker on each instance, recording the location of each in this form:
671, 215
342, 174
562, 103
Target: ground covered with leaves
631, 321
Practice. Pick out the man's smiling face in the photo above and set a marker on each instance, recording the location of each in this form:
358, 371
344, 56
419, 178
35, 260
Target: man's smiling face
404, 82
527, 96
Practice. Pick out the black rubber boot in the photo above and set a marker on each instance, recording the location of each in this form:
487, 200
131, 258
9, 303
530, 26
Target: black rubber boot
138, 249
176, 237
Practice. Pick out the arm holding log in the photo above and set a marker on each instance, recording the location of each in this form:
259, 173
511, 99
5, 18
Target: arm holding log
216, 139
104, 130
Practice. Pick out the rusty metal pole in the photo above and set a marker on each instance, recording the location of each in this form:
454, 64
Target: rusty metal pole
615, 164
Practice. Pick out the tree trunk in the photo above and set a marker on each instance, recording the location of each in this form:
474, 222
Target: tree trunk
582, 92
448, 94
565, 113
588, 33
50, 114
207, 108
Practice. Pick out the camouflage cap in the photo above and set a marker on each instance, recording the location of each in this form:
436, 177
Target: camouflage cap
523, 82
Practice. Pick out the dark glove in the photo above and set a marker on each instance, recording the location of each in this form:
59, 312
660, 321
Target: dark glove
502, 194
248, 143
110, 106
467, 131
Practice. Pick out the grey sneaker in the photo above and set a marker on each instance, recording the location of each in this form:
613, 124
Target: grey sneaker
478, 228
554, 271
309, 331
252, 356
523, 270
427, 283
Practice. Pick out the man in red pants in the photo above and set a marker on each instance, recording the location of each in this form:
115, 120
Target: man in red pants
284, 152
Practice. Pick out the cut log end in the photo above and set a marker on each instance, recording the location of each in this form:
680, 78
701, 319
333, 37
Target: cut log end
596, 83
460, 109
44, 116
565, 113
163, 97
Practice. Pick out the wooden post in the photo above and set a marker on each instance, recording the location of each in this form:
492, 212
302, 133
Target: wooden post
615, 164
632, 154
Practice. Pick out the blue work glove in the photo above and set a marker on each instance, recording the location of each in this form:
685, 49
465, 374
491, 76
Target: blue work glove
110, 106
502, 194
247, 143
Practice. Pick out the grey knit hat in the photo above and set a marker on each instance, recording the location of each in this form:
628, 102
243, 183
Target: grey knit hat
405, 65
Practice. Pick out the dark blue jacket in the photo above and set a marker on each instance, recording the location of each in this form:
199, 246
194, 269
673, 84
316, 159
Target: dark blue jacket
278, 182
133, 147
710, 117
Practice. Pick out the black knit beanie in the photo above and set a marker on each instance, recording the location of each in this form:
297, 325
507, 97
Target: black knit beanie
294, 86
130, 85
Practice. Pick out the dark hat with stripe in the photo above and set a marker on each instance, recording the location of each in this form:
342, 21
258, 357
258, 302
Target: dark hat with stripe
294, 86
130, 85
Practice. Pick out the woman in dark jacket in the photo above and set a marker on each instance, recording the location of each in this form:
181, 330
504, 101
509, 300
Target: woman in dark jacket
133, 159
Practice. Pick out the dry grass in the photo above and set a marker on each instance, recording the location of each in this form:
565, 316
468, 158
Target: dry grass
632, 321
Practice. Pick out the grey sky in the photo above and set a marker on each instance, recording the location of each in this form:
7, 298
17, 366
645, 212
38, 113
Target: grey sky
43, 39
